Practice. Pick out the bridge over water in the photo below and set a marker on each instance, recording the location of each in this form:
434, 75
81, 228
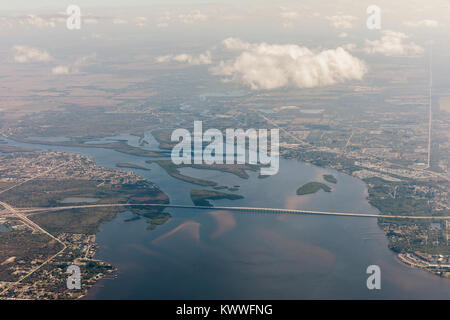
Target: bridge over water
236, 209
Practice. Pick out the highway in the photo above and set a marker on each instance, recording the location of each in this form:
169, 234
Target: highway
27, 221
238, 209
34, 227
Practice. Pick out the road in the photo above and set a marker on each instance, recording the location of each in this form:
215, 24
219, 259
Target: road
300, 141
32, 178
348, 142
27, 221
240, 209
34, 227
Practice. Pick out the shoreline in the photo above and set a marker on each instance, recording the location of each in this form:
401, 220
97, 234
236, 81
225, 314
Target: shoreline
325, 167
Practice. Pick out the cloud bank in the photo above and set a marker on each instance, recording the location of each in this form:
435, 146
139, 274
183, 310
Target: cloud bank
393, 44
25, 54
192, 17
342, 21
427, 23
73, 67
193, 60
272, 66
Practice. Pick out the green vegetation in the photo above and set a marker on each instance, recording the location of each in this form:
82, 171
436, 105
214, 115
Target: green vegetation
414, 235
157, 220
330, 178
119, 146
324, 159
163, 137
153, 220
407, 198
239, 170
49, 193
125, 148
201, 197
312, 187
220, 188
134, 218
131, 166
397, 198
172, 169
24, 246
85, 221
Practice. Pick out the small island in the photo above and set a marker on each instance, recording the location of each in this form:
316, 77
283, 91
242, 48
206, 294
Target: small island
330, 178
312, 187
119, 146
157, 220
201, 197
239, 170
131, 166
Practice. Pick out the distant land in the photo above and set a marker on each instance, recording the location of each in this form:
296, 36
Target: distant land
239, 170
119, 146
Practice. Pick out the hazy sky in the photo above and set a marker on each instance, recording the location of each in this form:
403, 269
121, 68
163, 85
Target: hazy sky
258, 44
35, 4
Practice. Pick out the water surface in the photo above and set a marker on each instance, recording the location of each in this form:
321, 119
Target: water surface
203, 254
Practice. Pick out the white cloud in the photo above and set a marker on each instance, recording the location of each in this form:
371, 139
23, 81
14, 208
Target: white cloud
36, 21
30, 54
163, 20
141, 21
236, 44
90, 21
74, 67
169, 17
289, 17
393, 44
43, 21
5, 22
422, 23
166, 58
343, 35
270, 66
96, 36
61, 70
349, 46
294, 14
119, 21
33, 20
192, 17
342, 21
204, 58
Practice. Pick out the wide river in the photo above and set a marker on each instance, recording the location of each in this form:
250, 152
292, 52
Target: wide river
203, 254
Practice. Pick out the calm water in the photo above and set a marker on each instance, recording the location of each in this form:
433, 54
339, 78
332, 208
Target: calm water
213, 254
